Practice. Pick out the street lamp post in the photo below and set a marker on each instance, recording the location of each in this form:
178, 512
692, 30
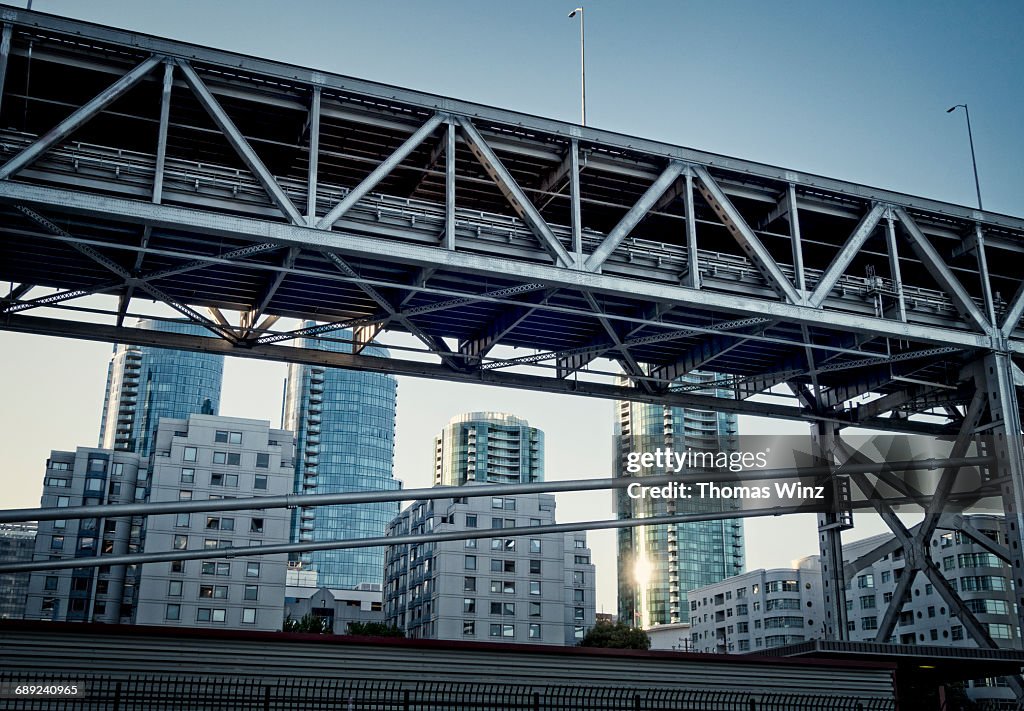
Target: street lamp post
583, 66
970, 137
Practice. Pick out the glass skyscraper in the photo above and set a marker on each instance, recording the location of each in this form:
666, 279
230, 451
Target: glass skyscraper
344, 424
146, 384
488, 447
658, 565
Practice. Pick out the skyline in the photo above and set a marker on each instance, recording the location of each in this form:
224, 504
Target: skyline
948, 178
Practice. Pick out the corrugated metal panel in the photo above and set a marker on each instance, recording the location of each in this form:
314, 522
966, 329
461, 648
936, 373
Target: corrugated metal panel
141, 652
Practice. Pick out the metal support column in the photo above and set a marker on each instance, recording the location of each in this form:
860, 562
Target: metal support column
449, 186
794, 231
161, 146
894, 265
830, 543
5, 53
314, 156
574, 195
692, 265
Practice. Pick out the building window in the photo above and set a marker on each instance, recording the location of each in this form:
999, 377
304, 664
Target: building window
468, 628
535, 567
57, 543
173, 588
252, 570
503, 631
956, 633
535, 545
582, 560
534, 631
180, 543
218, 615
469, 605
260, 482
470, 562
177, 566
470, 543
172, 612
580, 544
263, 461
219, 523
470, 520
249, 616
579, 613
534, 609
189, 455
182, 520
218, 479
469, 584
577, 595
867, 602
256, 525
252, 592
866, 581
184, 495
578, 632
535, 587
50, 583
203, 614
577, 577
188, 476
869, 623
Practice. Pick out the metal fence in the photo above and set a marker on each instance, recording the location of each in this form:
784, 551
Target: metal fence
210, 693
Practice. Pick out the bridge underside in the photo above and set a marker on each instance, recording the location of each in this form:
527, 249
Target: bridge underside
513, 250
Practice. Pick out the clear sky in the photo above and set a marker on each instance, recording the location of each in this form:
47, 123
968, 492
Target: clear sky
855, 91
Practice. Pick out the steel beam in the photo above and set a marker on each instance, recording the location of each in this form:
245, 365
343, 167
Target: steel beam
161, 145
692, 264
239, 143
575, 219
380, 172
745, 237
941, 272
846, 254
449, 186
5, 53
513, 193
291, 235
498, 328
633, 216
895, 274
314, 155
830, 542
79, 117
1013, 313
794, 231
269, 289
270, 72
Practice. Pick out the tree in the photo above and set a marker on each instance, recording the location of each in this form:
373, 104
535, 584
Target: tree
374, 629
616, 636
307, 623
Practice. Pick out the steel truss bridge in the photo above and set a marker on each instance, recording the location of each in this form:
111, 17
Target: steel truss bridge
245, 193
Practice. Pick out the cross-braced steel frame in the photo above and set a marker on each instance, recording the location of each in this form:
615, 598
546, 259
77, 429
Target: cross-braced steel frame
245, 193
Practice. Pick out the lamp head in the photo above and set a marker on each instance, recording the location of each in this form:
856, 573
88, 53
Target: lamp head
951, 109
573, 13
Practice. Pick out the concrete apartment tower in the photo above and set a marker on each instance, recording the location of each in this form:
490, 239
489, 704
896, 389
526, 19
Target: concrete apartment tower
200, 458
146, 384
657, 565
344, 423
488, 447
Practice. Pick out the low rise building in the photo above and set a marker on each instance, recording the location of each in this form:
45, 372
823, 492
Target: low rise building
338, 607
536, 589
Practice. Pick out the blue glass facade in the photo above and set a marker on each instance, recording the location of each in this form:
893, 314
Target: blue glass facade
658, 565
344, 422
146, 384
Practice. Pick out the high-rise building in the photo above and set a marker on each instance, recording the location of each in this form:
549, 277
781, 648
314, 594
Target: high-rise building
200, 458
488, 447
657, 565
17, 542
344, 422
146, 384
535, 589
